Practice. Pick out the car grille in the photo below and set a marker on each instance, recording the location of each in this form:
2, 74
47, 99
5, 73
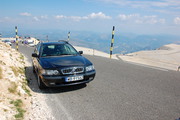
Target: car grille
72, 70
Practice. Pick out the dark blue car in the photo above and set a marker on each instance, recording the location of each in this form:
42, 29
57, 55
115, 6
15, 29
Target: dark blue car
59, 64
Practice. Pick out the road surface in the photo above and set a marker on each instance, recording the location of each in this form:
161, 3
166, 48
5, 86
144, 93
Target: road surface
120, 91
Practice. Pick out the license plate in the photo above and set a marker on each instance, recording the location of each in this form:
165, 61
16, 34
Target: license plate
74, 78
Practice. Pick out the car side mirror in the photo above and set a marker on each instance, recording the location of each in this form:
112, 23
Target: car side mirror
80, 52
34, 55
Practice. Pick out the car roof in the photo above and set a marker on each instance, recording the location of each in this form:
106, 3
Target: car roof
56, 43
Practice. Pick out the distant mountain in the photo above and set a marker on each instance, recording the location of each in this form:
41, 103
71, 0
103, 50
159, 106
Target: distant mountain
123, 42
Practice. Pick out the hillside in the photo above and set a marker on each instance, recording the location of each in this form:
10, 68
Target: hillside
17, 100
15, 96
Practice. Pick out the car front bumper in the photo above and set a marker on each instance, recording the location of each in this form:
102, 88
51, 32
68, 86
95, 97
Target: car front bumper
59, 81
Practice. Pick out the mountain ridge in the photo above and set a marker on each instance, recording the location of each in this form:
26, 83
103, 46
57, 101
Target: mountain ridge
124, 43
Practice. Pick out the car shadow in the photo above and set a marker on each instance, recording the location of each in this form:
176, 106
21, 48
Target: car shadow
33, 85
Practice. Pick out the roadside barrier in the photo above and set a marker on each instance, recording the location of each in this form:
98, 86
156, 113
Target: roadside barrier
68, 36
16, 30
47, 38
112, 42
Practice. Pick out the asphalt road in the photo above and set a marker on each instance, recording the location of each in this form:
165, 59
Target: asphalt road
120, 91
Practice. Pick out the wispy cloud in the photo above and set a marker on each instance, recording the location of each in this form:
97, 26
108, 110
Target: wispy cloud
136, 18
145, 3
60, 16
25, 14
5, 19
36, 19
161, 6
177, 20
98, 15
124, 17
44, 17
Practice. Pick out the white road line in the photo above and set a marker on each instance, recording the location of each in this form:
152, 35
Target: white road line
148, 66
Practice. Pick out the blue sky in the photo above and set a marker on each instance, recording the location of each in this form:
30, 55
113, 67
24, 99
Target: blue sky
130, 16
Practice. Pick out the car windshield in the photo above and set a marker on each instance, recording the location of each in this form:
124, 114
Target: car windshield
30, 42
58, 50
6, 41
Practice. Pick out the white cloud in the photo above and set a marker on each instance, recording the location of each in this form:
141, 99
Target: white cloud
162, 21
60, 16
99, 15
177, 20
162, 6
25, 14
76, 18
127, 17
150, 19
145, 3
136, 18
44, 17
36, 18
7, 18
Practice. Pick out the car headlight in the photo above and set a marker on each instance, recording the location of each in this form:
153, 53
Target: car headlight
50, 72
89, 68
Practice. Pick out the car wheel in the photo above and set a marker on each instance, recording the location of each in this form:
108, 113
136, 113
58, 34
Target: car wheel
41, 85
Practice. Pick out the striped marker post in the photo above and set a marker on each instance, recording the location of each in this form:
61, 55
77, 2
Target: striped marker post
68, 36
16, 30
47, 38
112, 42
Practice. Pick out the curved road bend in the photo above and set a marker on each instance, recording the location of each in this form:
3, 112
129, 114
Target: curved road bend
120, 91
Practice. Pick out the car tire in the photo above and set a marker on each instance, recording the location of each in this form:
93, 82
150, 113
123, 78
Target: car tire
41, 85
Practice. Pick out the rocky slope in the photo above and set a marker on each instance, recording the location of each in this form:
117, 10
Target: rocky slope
15, 97
17, 100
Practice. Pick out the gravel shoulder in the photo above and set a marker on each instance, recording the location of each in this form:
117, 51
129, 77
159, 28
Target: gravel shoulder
39, 109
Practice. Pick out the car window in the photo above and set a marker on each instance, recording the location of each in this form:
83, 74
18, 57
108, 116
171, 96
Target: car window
58, 50
69, 49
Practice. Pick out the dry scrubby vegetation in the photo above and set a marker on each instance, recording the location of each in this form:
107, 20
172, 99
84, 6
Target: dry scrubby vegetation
14, 92
1, 73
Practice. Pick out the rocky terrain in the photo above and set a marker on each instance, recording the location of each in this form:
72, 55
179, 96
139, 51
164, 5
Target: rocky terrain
17, 100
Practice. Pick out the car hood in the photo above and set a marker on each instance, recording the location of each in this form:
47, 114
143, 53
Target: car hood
63, 61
